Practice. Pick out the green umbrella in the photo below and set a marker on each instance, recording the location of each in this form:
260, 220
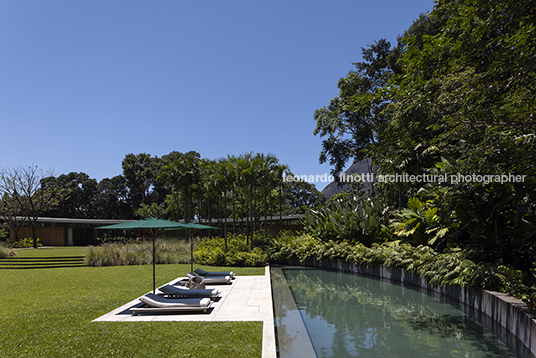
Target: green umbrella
153, 227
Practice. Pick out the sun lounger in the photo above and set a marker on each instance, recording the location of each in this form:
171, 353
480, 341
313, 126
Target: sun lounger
212, 280
174, 291
155, 303
201, 272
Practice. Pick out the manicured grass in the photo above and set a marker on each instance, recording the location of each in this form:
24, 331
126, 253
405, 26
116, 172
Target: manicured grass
59, 251
44, 257
48, 313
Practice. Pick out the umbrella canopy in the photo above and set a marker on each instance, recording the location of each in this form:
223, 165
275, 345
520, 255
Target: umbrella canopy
153, 227
193, 227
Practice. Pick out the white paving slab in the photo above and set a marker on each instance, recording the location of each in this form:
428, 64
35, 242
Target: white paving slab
248, 298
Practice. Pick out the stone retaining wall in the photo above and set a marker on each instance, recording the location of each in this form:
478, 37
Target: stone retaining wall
494, 307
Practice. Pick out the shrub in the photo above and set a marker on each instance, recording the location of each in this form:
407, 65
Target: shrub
449, 267
352, 218
6, 252
4, 231
420, 223
212, 252
138, 253
26, 242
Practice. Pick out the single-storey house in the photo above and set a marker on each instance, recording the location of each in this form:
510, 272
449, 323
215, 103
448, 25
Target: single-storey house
81, 232
64, 231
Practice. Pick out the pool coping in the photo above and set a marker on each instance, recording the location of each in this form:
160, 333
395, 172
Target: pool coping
288, 317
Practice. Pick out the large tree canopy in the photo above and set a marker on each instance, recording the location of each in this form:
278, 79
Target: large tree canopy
352, 120
455, 96
77, 192
467, 90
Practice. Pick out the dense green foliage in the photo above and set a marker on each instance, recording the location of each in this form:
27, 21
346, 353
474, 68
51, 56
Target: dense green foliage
174, 186
4, 231
455, 99
27, 242
54, 308
353, 218
449, 267
211, 251
419, 223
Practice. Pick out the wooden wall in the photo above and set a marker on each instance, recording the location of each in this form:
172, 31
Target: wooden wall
48, 236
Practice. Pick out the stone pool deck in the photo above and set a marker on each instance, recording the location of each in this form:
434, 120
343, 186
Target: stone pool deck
248, 298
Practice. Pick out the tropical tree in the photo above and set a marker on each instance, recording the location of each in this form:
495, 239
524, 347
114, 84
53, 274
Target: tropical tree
472, 82
111, 199
267, 173
182, 176
140, 172
458, 88
77, 192
298, 196
152, 210
222, 183
352, 120
247, 166
209, 189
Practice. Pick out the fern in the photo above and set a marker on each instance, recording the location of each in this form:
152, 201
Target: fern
450, 267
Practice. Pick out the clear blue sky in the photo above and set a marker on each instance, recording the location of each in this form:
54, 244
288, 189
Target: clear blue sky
83, 83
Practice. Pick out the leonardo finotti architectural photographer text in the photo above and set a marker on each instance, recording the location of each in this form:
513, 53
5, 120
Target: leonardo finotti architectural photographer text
407, 178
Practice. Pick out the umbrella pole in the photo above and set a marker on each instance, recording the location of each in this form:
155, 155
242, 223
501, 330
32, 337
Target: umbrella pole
154, 267
192, 249
191, 253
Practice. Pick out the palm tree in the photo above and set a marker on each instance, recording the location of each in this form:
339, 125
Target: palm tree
222, 183
183, 176
243, 177
268, 180
233, 175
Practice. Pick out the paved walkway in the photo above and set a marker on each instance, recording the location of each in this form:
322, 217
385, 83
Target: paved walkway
248, 298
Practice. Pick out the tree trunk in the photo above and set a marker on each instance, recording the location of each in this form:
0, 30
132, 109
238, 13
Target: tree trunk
34, 236
225, 226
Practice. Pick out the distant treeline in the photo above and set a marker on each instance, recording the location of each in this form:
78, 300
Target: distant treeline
182, 186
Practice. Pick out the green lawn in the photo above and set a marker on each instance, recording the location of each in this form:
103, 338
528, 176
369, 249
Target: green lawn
48, 313
52, 251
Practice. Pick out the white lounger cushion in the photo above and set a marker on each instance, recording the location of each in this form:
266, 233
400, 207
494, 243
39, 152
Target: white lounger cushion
212, 279
172, 290
212, 273
162, 302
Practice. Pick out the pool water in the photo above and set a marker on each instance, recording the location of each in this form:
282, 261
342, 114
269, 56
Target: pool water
345, 315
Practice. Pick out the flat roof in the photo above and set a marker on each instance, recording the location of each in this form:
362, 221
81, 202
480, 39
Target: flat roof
75, 221
118, 221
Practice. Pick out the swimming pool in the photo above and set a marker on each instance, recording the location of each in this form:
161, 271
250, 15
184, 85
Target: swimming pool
332, 314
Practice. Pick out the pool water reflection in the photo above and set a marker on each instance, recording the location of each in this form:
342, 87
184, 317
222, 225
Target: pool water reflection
346, 315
